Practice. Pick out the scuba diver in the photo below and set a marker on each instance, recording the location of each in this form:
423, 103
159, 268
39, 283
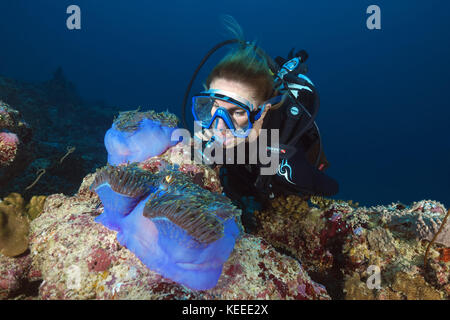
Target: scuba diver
248, 91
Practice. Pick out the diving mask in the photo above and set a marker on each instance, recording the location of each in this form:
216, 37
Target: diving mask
237, 113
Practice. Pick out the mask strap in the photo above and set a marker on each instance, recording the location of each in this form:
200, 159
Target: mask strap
271, 101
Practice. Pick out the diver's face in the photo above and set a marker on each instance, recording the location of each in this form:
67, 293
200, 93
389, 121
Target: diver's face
238, 115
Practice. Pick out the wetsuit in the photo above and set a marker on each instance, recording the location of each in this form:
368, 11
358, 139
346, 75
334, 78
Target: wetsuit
300, 176
297, 176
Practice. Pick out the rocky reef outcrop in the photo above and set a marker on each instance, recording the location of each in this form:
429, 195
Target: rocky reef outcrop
80, 259
364, 252
76, 258
313, 249
304, 248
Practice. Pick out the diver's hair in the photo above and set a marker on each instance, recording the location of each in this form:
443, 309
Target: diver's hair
232, 27
244, 65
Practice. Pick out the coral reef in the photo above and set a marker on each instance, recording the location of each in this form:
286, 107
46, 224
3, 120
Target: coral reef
8, 147
76, 258
131, 120
31, 210
16, 148
16, 278
11, 121
177, 156
14, 222
338, 242
171, 234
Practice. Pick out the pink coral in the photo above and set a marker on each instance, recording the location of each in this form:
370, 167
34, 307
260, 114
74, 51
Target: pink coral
9, 138
8, 147
99, 260
13, 271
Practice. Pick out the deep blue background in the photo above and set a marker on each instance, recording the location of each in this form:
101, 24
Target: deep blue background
384, 94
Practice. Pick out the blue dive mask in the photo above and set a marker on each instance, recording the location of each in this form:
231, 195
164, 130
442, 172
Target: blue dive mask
238, 115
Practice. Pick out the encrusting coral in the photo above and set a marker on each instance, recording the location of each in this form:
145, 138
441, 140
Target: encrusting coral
14, 222
338, 242
35, 206
14, 226
31, 210
8, 148
15, 146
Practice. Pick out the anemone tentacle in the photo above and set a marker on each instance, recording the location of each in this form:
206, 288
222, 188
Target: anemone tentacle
130, 180
188, 215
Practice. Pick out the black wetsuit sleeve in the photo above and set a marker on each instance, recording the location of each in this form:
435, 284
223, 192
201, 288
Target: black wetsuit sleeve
299, 174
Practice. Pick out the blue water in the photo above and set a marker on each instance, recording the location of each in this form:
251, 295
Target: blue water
384, 93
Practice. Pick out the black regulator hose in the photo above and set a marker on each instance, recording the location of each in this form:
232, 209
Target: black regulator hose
205, 58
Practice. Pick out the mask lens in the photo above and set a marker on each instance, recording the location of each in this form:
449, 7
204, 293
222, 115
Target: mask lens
233, 115
202, 110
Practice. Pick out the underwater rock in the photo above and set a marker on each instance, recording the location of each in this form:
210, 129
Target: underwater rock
11, 121
338, 242
176, 156
414, 287
14, 272
381, 240
80, 259
421, 221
